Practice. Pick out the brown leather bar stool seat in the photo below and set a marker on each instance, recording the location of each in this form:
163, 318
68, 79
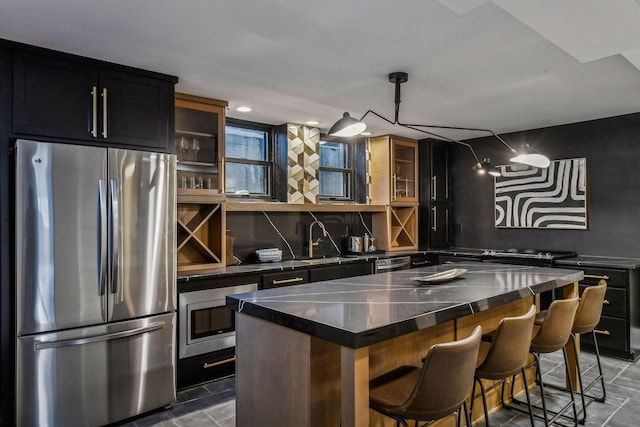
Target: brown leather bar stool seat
549, 336
435, 390
504, 356
586, 319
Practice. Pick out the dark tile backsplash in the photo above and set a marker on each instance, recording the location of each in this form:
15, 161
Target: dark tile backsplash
252, 231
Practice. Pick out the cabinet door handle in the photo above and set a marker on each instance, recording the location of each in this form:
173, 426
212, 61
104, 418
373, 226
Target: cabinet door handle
420, 262
593, 276
104, 112
221, 362
605, 332
395, 178
435, 224
434, 186
285, 281
94, 112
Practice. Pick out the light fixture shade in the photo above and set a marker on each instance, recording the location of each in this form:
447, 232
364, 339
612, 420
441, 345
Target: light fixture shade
347, 126
532, 159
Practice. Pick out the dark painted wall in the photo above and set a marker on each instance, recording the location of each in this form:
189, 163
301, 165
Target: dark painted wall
612, 149
252, 231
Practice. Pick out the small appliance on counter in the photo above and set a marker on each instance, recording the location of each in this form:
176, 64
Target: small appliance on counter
354, 244
358, 245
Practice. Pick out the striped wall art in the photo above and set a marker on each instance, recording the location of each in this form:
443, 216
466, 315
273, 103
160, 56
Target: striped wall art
556, 197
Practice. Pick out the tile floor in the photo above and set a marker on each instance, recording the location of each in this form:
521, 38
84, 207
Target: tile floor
213, 404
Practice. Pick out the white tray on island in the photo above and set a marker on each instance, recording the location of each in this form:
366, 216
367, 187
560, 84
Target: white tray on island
442, 276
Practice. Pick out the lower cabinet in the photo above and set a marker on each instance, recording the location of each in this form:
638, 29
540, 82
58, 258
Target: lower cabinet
618, 332
425, 260
284, 278
331, 272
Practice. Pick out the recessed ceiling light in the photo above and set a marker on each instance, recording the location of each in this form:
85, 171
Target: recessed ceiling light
244, 109
366, 134
312, 122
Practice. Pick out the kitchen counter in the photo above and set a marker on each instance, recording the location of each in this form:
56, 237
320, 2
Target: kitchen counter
365, 310
600, 261
292, 264
305, 353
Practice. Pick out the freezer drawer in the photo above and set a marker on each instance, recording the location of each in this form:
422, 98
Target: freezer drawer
95, 376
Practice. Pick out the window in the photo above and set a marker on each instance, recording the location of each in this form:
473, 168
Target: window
248, 160
336, 170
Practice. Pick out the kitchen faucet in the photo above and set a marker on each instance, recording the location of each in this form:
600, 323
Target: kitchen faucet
311, 242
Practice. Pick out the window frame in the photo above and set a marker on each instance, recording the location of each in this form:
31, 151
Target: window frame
269, 163
349, 170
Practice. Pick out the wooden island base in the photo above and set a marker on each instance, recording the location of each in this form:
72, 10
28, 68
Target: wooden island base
288, 378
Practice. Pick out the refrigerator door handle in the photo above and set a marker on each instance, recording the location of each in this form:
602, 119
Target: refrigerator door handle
115, 236
43, 345
102, 236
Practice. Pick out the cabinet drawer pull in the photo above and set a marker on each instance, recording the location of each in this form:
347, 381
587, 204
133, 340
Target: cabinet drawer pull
434, 188
420, 262
605, 302
434, 227
285, 281
593, 276
221, 362
605, 332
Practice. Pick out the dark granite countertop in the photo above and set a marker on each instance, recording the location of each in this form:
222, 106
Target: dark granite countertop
600, 261
292, 264
360, 311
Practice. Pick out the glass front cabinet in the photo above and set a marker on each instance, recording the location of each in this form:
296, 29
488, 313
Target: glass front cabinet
394, 183
199, 143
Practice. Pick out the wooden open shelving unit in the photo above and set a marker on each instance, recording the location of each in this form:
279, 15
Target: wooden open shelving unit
394, 183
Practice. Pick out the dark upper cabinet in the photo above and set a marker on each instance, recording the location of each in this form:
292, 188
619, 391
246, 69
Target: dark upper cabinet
439, 172
68, 99
435, 202
52, 97
139, 109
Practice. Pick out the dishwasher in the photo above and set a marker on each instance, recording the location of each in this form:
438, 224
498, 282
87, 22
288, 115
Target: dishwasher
391, 264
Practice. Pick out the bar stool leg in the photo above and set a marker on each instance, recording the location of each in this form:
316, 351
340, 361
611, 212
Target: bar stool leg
526, 390
604, 391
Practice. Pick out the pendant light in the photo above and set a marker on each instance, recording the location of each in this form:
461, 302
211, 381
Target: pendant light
348, 126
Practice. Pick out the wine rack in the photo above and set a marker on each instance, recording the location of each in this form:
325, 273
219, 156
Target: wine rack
201, 243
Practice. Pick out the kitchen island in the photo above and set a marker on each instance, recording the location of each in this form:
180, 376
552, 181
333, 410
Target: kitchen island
305, 353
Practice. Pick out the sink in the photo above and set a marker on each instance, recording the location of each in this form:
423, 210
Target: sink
312, 261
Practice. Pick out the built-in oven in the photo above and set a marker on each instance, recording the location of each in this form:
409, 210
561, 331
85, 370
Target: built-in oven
205, 324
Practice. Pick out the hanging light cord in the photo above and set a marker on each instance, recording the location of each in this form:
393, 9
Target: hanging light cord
279, 234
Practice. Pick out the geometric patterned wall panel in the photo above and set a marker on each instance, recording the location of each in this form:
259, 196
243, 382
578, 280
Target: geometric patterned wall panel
552, 198
303, 164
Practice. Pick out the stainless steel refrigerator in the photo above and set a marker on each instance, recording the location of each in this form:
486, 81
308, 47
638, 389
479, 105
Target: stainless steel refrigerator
95, 283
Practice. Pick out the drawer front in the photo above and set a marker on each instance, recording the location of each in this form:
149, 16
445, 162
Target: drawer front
284, 278
615, 302
340, 271
423, 260
614, 278
611, 333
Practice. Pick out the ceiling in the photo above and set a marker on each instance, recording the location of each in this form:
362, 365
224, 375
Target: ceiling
506, 65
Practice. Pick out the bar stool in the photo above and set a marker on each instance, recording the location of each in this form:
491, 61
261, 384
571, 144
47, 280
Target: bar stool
550, 335
586, 319
437, 389
503, 357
